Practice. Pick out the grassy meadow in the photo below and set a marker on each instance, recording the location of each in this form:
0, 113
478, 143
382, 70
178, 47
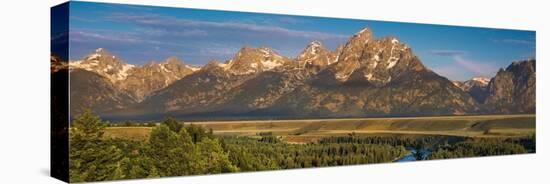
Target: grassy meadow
305, 131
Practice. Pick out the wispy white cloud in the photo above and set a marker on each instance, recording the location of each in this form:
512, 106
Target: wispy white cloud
193, 40
170, 24
290, 20
81, 19
448, 52
180, 34
461, 66
101, 35
514, 41
219, 52
269, 20
450, 72
477, 67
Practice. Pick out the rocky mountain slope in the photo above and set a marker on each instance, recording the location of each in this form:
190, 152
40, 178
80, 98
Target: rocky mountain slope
375, 77
364, 77
476, 87
89, 90
254, 60
211, 86
144, 80
137, 81
513, 90
315, 57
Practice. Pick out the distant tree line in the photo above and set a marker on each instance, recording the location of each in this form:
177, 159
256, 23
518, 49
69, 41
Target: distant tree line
132, 124
395, 140
252, 155
479, 147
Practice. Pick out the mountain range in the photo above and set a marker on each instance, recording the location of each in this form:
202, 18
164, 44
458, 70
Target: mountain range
365, 77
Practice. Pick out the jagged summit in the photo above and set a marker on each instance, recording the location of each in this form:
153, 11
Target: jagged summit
482, 80
513, 89
377, 60
312, 48
98, 50
315, 57
521, 64
315, 44
136, 81
105, 64
250, 60
173, 60
364, 33
473, 82
214, 64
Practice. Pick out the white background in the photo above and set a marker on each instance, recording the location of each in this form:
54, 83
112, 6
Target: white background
24, 92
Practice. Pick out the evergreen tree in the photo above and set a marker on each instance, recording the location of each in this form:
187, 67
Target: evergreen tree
87, 127
173, 124
91, 158
217, 160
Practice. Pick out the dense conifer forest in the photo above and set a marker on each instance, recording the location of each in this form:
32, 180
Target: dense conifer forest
176, 149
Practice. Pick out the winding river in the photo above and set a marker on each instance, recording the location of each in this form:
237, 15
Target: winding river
410, 156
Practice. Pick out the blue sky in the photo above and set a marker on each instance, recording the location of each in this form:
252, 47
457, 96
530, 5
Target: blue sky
140, 34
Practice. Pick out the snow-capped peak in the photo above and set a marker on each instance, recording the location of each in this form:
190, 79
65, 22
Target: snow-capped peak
193, 68
482, 80
315, 44
362, 31
392, 60
270, 60
266, 51
93, 56
104, 64
394, 41
476, 81
457, 83
252, 60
